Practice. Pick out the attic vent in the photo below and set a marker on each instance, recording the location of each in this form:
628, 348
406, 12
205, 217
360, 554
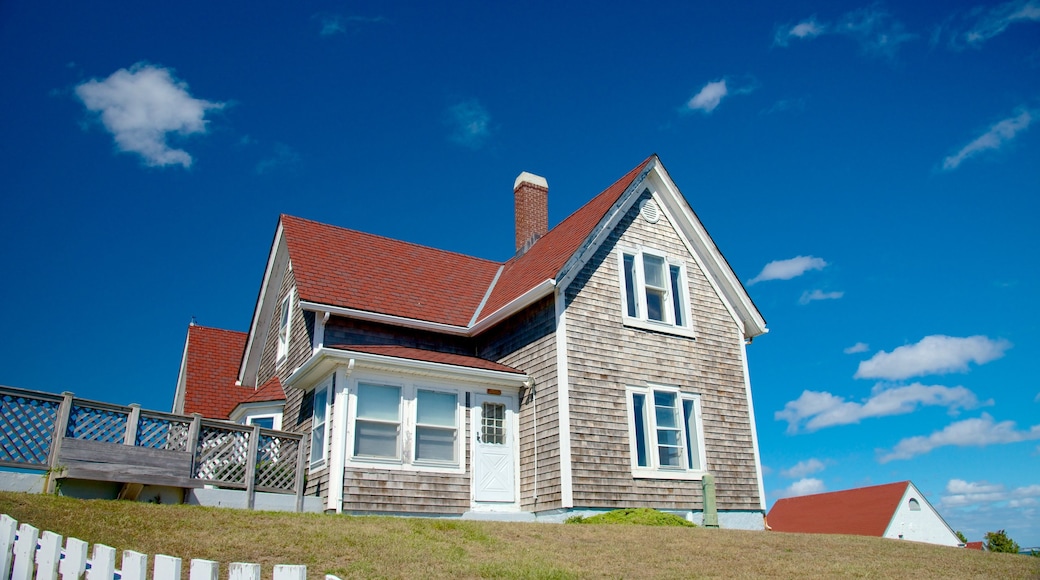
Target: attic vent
649, 210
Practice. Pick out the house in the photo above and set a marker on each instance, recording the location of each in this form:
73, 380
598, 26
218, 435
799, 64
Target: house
603, 366
894, 510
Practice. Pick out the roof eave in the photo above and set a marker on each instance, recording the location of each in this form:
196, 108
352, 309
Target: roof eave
326, 359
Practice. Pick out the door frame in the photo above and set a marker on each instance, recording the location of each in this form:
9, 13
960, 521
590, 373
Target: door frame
510, 399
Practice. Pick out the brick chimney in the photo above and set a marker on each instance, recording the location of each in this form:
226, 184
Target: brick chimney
531, 197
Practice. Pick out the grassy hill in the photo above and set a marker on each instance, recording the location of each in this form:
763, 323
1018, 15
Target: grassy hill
380, 547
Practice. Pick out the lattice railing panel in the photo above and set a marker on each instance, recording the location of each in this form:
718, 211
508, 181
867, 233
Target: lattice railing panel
160, 433
26, 429
221, 455
93, 424
276, 462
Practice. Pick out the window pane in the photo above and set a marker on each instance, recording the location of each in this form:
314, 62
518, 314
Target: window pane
668, 437
379, 402
669, 456
263, 422
693, 459
436, 408
639, 417
653, 271
493, 424
630, 285
435, 444
665, 407
655, 305
317, 445
677, 296
321, 397
375, 439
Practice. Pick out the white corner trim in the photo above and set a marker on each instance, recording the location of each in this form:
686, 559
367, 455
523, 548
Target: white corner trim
182, 378
320, 318
751, 419
337, 450
563, 403
276, 264
487, 294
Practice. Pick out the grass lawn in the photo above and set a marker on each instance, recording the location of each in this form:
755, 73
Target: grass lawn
383, 547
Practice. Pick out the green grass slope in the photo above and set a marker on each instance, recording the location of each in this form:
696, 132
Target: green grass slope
382, 547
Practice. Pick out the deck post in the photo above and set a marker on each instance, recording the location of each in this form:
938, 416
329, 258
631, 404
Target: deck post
301, 459
254, 444
192, 444
131, 424
61, 424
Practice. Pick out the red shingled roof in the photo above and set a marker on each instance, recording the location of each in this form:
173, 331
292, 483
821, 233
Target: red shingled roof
269, 392
211, 370
865, 511
549, 254
351, 269
429, 356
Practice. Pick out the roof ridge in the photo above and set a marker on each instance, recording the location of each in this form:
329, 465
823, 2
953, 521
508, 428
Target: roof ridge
215, 328
389, 239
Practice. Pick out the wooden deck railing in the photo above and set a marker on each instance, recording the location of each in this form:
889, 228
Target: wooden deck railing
84, 439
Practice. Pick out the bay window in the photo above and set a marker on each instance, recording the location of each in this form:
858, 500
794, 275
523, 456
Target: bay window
406, 424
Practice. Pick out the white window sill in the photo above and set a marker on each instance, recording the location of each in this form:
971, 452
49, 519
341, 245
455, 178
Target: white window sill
316, 466
654, 326
644, 473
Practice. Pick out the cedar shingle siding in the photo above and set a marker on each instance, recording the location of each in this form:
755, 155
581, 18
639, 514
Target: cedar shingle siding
604, 357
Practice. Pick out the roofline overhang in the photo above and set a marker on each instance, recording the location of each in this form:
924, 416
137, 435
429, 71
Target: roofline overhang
326, 359
516, 305
242, 409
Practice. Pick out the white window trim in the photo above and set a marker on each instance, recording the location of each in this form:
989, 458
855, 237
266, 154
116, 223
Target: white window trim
405, 460
640, 320
326, 384
284, 332
653, 471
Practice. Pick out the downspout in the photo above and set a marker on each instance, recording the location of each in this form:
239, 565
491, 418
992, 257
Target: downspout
337, 453
529, 384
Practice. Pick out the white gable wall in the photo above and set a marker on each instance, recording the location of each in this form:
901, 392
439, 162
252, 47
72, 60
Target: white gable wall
924, 525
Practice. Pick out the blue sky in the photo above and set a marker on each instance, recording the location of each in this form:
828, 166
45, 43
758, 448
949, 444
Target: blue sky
870, 170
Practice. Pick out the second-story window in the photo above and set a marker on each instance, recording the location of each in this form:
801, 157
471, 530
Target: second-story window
654, 290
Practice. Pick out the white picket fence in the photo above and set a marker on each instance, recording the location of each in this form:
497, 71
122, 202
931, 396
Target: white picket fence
26, 553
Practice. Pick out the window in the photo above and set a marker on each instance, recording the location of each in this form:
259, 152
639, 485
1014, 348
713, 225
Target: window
319, 424
665, 439
654, 290
407, 425
263, 422
284, 326
915, 506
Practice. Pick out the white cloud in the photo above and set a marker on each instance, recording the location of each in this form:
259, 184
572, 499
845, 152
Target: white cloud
978, 507
856, 348
996, 137
803, 30
803, 468
969, 432
709, 97
874, 29
332, 24
787, 269
141, 105
815, 295
815, 410
997, 19
936, 354
470, 123
805, 486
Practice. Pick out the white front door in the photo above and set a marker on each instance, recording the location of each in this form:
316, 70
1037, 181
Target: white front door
494, 448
